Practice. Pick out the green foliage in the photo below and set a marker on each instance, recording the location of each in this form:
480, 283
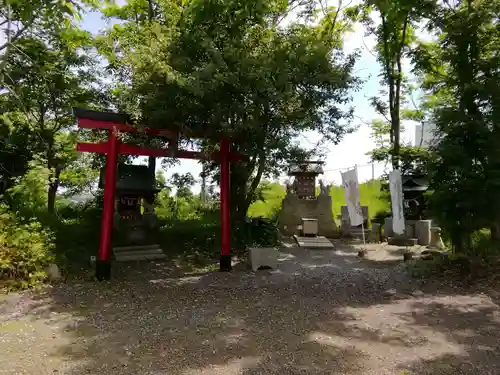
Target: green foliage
370, 195
412, 159
225, 66
380, 216
21, 17
258, 232
462, 81
26, 249
269, 202
76, 228
192, 239
273, 194
183, 206
28, 196
45, 73
183, 183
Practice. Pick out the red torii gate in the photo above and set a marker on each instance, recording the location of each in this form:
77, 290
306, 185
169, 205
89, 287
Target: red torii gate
115, 123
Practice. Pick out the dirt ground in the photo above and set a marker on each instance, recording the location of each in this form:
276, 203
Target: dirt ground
321, 312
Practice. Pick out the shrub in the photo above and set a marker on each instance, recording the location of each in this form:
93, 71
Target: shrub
259, 232
380, 216
26, 249
77, 231
195, 240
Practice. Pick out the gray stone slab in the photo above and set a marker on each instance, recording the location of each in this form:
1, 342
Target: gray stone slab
128, 253
402, 241
140, 256
318, 242
121, 249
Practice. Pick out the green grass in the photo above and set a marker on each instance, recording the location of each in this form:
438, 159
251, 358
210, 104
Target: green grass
369, 191
370, 196
273, 196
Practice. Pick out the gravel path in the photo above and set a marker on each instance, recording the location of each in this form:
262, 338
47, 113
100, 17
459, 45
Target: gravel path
322, 313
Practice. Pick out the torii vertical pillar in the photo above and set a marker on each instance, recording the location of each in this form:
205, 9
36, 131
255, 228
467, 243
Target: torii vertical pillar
103, 264
225, 251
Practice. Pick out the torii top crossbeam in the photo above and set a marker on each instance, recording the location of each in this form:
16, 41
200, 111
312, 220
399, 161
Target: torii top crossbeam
88, 119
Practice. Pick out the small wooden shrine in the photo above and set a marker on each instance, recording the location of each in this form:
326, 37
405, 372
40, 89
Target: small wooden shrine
134, 216
305, 174
414, 199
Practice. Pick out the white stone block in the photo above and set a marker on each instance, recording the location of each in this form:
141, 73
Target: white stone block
423, 232
53, 272
263, 257
436, 240
309, 227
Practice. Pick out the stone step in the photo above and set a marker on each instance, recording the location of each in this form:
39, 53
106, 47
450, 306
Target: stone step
120, 249
359, 231
318, 242
129, 253
402, 241
125, 257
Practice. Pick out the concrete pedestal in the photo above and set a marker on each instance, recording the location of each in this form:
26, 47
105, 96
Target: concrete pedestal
436, 240
375, 233
263, 257
388, 232
423, 232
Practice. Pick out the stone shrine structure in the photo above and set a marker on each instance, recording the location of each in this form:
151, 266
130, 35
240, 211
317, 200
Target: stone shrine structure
134, 219
134, 216
418, 228
414, 200
301, 201
346, 229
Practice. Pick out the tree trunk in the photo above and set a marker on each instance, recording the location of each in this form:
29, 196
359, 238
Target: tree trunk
495, 232
52, 192
152, 167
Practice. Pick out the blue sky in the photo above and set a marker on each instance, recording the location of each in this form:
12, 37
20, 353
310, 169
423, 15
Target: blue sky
352, 150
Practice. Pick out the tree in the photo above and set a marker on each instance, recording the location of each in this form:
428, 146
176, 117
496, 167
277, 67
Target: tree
183, 183
226, 67
395, 35
46, 77
462, 79
18, 18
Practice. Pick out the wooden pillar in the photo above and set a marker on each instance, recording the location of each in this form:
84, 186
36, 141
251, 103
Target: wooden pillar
103, 265
225, 251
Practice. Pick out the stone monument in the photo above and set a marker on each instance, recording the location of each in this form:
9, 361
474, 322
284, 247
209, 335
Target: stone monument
301, 201
418, 228
346, 228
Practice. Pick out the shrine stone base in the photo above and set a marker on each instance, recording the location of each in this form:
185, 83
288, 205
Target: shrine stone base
293, 210
418, 231
402, 241
129, 253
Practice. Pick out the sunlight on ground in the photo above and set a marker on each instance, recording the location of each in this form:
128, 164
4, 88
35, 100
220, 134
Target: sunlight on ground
177, 281
235, 366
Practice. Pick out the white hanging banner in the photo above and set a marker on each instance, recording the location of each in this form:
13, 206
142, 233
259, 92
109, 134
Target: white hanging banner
396, 188
351, 191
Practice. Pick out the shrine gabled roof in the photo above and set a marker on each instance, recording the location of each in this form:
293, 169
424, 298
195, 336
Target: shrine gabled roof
414, 183
410, 181
136, 178
306, 167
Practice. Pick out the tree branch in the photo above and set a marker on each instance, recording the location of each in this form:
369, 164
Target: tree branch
17, 35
